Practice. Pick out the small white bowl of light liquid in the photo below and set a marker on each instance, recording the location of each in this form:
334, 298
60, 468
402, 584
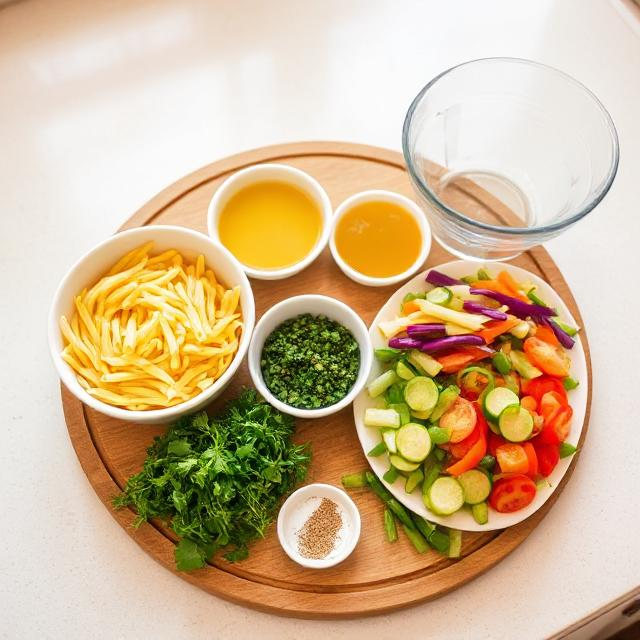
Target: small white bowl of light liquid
275, 219
379, 238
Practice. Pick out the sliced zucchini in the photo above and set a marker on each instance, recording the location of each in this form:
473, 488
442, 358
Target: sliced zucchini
522, 365
414, 479
421, 415
424, 362
382, 418
401, 464
475, 485
382, 383
421, 394
446, 398
413, 442
480, 512
439, 295
446, 496
516, 423
498, 399
389, 438
404, 371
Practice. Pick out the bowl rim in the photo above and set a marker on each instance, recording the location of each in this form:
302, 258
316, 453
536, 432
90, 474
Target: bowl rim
260, 334
372, 195
424, 189
168, 413
340, 495
311, 187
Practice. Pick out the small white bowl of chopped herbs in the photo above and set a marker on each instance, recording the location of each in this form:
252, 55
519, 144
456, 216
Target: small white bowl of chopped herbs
310, 356
318, 526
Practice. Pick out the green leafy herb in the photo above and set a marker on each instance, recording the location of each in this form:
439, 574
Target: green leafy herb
310, 362
218, 481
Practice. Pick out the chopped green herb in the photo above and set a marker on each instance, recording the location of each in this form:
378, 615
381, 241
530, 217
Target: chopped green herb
218, 481
310, 362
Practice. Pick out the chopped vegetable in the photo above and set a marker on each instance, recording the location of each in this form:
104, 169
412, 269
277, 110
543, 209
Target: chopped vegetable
512, 458
523, 366
414, 479
378, 488
501, 362
468, 320
517, 307
219, 480
378, 450
563, 337
475, 307
548, 457
459, 420
382, 418
570, 384
512, 493
566, 450
354, 480
391, 475
407, 342
497, 328
387, 355
416, 538
390, 526
438, 279
455, 543
425, 363
440, 344
382, 383
426, 330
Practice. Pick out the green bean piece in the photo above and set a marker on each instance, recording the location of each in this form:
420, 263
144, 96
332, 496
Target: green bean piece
378, 488
488, 462
378, 450
438, 435
531, 294
567, 450
570, 383
483, 274
354, 480
390, 526
391, 475
417, 540
501, 362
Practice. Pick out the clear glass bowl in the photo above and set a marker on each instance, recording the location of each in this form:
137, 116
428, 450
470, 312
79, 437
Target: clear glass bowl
533, 137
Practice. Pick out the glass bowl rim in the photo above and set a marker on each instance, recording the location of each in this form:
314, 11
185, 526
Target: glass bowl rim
433, 199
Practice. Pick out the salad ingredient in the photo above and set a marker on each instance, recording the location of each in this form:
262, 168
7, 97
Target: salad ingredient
456, 360
471, 458
516, 423
378, 450
488, 462
154, 332
404, 371
501, 362
392, 504
387, 355
521, 330
517, 307
414, 479
319, 534
389, 439
476, 486
407, 342
416, 538
382, 418
512, 493
413, 442
270, 224
548, 457
445, 400
569, 384
566, 449
476, 307
438, 435
539, 386
391, 475
455, 543
532, 457
390, 526
567, 328
563, 337
426, 330
446, 496
512, 458
402, 464
310, 361
552, 360
218, 481
440, 344
470, 321
459, 420
497, 328
522, 365
378, 239
439, 279
390, 328
480, 512
378, 386
498, 399
439, 295
403, 411
424, 363
544, 333
421, 394
354, 480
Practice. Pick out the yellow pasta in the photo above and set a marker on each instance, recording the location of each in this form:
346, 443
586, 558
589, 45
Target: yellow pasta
155, 331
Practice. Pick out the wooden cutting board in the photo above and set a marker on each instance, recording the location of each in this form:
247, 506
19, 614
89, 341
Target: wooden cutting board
378, 577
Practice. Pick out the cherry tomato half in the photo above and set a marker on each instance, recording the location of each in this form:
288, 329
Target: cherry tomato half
512, 493
548, 457
552, 360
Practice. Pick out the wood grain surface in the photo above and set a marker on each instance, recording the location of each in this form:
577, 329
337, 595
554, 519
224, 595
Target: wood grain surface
377, 577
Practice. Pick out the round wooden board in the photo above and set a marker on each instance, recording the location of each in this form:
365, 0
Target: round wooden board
377, 577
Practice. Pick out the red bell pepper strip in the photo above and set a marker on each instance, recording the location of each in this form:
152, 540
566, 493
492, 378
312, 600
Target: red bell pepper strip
548, 456
533, 459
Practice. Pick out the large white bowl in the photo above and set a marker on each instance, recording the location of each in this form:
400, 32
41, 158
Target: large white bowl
315, 305
279, 173
93, 265
578, 398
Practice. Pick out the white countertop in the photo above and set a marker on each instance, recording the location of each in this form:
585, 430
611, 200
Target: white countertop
102, 104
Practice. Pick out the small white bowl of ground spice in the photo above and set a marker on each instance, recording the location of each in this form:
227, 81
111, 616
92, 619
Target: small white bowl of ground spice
318, 526
310, 356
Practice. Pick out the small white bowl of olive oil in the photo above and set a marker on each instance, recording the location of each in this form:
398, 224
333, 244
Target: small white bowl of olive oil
379, 238
275, 219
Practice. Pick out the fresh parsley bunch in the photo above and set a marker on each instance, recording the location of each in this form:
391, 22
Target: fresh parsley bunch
218, 481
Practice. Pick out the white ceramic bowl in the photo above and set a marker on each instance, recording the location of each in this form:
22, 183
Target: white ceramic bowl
93, 265
315, 305
376, 195
280, 173
300, 505
578, 398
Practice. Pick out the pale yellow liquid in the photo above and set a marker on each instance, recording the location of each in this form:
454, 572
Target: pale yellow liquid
270, 225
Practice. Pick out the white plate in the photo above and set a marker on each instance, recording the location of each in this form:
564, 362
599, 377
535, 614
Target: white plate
369, 437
